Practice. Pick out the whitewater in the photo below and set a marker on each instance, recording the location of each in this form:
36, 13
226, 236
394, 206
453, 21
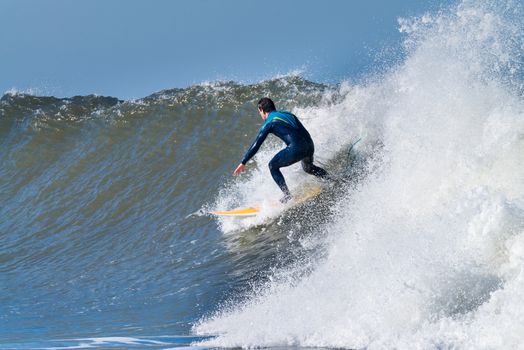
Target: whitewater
428, 250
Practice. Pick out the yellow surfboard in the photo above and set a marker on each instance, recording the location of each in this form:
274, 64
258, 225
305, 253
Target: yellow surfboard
251, 211
255, 210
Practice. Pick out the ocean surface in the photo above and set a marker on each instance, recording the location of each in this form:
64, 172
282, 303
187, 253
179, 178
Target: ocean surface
105, 240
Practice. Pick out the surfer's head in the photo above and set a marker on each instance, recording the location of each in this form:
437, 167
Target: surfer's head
266, 105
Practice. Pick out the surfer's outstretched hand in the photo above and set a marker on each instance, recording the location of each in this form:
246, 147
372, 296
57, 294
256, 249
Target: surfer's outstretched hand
240, 168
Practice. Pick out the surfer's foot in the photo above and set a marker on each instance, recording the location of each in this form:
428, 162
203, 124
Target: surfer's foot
286, 198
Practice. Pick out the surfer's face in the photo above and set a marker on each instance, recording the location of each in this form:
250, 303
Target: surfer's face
263, 114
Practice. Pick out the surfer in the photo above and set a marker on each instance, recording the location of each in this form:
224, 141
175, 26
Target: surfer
299, 145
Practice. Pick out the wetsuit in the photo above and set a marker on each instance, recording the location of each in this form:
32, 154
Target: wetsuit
300, 147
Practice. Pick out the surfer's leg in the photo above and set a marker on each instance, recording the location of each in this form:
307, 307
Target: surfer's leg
284, 158
310, 168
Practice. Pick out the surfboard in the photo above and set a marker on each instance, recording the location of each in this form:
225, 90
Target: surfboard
250, 211
255, 210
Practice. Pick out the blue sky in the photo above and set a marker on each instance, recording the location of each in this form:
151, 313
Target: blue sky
130, 49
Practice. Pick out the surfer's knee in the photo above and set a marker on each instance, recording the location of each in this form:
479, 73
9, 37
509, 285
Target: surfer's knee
273, 165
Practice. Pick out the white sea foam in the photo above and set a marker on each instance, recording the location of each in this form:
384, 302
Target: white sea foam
429, 251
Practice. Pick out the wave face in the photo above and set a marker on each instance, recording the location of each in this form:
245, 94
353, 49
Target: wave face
96, 233
427, 251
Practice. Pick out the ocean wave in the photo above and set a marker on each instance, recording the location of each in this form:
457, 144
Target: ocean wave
427, 251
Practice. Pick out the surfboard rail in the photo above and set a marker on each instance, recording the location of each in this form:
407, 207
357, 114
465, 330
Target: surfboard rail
255, 210
249, 211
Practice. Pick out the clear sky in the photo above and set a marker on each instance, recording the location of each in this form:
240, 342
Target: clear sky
132, 48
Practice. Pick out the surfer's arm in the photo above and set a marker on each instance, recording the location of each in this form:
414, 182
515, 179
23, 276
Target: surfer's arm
262, 134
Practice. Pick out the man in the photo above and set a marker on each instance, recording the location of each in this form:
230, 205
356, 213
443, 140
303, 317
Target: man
299, 145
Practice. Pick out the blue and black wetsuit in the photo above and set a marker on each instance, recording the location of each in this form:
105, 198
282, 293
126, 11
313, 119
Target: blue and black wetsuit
299, 147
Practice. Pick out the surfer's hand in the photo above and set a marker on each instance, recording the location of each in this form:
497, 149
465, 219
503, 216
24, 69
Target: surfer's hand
240, 168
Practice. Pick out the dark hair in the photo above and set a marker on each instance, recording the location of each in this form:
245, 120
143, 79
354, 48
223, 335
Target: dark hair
266, 105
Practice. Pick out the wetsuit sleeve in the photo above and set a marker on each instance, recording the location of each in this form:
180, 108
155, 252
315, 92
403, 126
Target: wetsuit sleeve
262, 134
